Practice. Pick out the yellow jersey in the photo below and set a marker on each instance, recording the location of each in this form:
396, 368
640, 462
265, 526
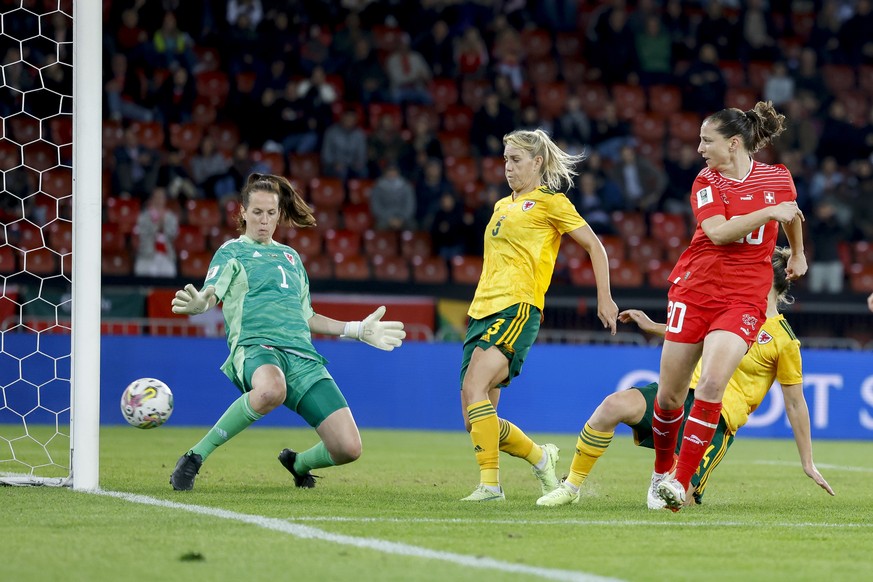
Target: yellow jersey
521, 245
775, 355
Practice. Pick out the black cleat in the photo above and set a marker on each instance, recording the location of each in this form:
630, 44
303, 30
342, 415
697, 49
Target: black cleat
186, 469
306, 480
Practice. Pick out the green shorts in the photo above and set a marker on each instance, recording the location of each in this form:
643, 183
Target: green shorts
512, 331
721, 440
311, 390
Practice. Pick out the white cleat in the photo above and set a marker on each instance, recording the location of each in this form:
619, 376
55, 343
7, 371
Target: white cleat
671, 491
563, 495
652, 499
485, 493
547, 477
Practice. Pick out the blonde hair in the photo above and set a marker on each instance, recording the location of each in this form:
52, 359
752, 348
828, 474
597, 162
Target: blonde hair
558, 167
293, 209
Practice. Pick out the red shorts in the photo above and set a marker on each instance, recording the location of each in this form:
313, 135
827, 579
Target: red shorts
692, 315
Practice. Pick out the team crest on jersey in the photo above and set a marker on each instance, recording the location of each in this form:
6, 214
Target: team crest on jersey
769, 197
212, 272
764, 337
704, 196
528, 204
290, 258
750, 320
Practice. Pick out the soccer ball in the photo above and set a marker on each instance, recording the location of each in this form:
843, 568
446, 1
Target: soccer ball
147, 403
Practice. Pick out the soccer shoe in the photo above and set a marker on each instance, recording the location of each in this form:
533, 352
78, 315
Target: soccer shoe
547, 477
186, 469
671, 491
563, 495
652, 499
306, 480
483, 493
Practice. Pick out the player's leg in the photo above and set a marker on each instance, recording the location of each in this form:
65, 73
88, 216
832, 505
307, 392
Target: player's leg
677, 364
718, 448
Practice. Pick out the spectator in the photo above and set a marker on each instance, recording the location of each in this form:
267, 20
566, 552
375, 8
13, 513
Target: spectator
392, 201
126, 95
507, 95
861, 187
171, 46
156, 228
490, 124
207, 166
385, 145
471, 55
609, 133
315, 50
365, 80
615, 52
428, 190
654, 49
808, 79
319, 96
176, 96
827, 180
641, 183
344, 149
800, 132
839, 138
718, 30
408, 74
680, 171
826, 232
757, 33
241, 166
175, 178
677, 23
437, 48
573, 126
824, 38
299, 121
530, 119
343, 45
855, 35
131, 39
704, 83
136, 167
251, 9
866, 135
423, 145
589, 203
779, 86
446, 226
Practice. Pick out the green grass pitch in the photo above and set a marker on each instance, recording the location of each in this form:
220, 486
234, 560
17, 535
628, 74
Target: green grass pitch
395, 515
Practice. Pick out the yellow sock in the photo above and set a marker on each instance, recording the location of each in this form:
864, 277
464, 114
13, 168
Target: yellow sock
484, 431
589, 446
516, 443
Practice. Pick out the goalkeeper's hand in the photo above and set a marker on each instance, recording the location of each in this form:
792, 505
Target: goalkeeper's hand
190, 301
385, 335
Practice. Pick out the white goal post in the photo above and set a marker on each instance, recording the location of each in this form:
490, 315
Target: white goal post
49, 407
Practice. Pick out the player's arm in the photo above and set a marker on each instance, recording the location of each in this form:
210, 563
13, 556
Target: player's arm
384, 335
643, 322
722, 231
798, 416
607, 310
796, 266
190, 301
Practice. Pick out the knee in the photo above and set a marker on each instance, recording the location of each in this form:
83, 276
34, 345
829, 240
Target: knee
610, 411
348, 451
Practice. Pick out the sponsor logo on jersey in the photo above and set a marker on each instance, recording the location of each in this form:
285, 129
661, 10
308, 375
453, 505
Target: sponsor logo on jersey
256, 254
704, 196
747, 197
527, 205
212, 272
764, 337
290, 258
769, 197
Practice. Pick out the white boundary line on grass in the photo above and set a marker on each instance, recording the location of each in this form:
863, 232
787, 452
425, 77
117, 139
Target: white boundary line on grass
819, 465
311, 533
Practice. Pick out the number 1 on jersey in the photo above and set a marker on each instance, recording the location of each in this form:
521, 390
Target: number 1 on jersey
284, 284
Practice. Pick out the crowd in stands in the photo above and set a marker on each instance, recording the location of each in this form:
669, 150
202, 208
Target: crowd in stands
388, 116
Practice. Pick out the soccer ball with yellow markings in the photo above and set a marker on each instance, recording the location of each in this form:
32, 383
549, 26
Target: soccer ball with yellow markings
147, 403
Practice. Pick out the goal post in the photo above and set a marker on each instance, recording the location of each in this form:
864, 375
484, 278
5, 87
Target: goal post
50, 242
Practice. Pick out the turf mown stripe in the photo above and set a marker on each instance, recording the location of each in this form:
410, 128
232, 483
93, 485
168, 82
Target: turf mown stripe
307, 532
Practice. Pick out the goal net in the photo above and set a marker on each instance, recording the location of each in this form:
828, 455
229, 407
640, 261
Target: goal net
49, 216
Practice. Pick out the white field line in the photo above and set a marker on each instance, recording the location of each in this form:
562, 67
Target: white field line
819, 465
311, 533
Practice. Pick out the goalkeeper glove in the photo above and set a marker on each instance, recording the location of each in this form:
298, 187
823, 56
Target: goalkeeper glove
190, 301
384, 335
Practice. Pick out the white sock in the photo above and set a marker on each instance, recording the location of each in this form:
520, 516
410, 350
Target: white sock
545, 459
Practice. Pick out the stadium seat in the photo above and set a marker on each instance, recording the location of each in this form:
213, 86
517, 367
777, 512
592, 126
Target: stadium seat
857, 106
40, 156
194, 264
665, 99
351, 268
244, 82
203, 112
630, 101
466, 270
644, 249
119, 264
657, 273
454, 144
537, 43
230, 210
357, 217
61, 236
149, 134
274, 162
304, 167
113, 134
444, 93
861, 278
862, 252
614, 246
24, 235
186, 137
214, 86
582, 273
342, 242
326, 219
23, 129
7, 260
113, 240
318, 267
571, 250
386, 39
684, 126
415, 244
573, 71
473, 92
569, 44
359, 190
865, 79
429, 270
326, 193
57, 182
629, 224
381, 243
203, 213
626, 274
413, 113
649, 127
674, 247
457, 119
191, 239
652, 150
218, 235
734, 74
376, 111
758, 73
664, 226
493, 168
390, 268
593, 96
541, 71
226, 137
460, 171
551, 98
123, 212
61, 128
838, 78
741, 98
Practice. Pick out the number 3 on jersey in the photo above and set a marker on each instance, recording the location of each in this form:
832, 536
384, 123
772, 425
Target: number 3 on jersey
675, 316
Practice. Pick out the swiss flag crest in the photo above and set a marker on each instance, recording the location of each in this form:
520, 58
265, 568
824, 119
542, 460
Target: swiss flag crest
769, 197
290, 258
764, 337
527, 205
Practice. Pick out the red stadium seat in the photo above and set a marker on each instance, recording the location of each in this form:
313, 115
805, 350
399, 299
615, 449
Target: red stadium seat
573, 71
351, 268
41, 262
186, 136
113, 134
41, 156
149, 134
123, 212
629, 224
23, 129
387, 38
342, 242
582, 273
741, 98
203, 113
657, 273
214, 86
571, 250
733, 72
119, 264
304, 167
460, 171
457, 119
61, 236
25, 236
644, 249
318, 267
627, 274
466, 270
614, 246
551, 99
455, 144
593, 97
569, 44
685, 127
326, 193
376, 111
838, 78
541, 71
61, 128
415, 244
194, 264
203, 213
113, 239
7, 260
664, 226
444, 93
493, 168
430, 271
58, 182
665, 99
381, 243
758, 73
231, 209
273, 161
226, 137
537, 43
473, 92
861, 278
390, 268
649, 126
191, 239
357, 217
218, 235
359, 190
630, 100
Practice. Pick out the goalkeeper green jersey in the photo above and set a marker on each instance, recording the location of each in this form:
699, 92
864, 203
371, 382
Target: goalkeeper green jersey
264, 290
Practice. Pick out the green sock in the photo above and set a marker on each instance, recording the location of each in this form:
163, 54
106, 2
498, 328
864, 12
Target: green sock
315, 457
237, 417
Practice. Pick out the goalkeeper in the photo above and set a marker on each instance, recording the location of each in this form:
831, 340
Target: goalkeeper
269, 321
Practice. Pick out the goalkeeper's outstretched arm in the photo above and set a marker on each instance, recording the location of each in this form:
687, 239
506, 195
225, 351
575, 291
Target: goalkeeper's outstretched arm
384, 335
190, 301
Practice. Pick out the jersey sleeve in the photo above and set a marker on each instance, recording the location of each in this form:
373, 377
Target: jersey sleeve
789, 369
789, 179
305, 297
222, 269
563, 215
706, 200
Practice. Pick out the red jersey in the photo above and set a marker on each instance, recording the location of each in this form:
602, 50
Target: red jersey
742, 268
